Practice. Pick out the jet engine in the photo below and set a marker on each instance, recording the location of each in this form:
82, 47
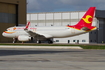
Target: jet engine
24, 38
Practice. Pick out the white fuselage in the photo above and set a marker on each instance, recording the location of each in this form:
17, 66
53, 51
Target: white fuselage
53, 32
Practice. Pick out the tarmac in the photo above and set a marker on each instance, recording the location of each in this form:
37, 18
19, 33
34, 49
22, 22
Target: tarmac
42, 47
51, 59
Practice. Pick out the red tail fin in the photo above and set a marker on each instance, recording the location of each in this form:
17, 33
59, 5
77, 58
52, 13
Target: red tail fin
86, 21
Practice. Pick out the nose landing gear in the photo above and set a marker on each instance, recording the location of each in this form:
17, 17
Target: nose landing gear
14, 40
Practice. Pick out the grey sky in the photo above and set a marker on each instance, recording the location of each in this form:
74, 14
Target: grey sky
63, 5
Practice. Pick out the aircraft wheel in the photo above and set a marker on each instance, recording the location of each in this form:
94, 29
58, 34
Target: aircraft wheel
38, 41
50, 41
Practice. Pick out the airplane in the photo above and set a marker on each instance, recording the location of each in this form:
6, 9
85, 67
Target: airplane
47, 33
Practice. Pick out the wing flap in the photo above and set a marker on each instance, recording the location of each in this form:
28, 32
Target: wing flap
35, 34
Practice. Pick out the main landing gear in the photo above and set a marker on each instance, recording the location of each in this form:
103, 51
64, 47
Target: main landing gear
46, 41
50, 41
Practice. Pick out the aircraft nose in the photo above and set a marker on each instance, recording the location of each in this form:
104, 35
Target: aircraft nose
6, 34
3, 34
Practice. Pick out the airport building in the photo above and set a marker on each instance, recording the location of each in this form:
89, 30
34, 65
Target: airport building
61, 19
12, 13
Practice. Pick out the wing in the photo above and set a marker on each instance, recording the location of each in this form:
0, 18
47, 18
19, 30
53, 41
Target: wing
35, 34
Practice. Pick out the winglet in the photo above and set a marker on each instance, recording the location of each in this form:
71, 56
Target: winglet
27, 25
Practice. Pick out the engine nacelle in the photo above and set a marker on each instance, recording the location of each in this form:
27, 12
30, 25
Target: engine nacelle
24, 38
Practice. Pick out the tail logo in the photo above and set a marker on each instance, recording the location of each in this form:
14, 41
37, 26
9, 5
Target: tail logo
87, 19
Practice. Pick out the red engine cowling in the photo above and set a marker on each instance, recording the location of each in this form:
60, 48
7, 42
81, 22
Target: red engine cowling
24, 38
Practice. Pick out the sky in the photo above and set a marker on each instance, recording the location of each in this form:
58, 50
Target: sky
37, 6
